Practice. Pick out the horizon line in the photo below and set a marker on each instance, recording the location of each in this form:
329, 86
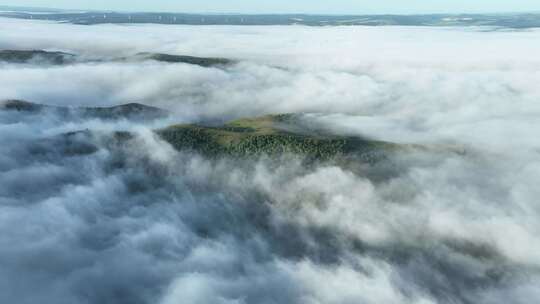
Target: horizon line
80, 10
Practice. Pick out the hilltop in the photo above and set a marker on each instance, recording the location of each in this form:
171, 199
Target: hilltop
62, 58
36, 56
134, 111
271, 134
201, 61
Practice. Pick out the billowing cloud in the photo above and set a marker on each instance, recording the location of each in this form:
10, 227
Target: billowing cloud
143, 223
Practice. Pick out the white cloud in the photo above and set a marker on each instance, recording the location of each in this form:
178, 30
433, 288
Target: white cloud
141, 223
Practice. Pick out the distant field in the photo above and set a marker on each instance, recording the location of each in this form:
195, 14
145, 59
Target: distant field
94, 17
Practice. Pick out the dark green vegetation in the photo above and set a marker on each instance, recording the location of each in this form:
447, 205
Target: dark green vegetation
201, 61
271, 135
22, 106
60, 58
129, 110
36, 56
135, 111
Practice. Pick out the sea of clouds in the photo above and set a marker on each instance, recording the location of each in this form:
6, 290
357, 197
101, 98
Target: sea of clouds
143, 223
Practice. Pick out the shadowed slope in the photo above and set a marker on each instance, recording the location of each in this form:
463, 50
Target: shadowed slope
36, 56
127, 111
201, 61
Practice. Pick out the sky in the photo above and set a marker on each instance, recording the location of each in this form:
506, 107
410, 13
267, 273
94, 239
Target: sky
297, 6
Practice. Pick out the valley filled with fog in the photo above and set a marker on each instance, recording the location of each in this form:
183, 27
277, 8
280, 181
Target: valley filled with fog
451, 215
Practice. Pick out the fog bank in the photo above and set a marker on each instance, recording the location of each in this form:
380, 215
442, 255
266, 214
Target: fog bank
143, 223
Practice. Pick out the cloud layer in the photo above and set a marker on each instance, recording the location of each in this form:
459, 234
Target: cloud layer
142, 223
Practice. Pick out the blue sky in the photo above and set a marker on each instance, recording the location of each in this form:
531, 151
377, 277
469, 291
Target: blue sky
292, 6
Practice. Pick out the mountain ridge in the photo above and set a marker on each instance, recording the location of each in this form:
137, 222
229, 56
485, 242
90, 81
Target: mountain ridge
270, 134
131, 110
63, 58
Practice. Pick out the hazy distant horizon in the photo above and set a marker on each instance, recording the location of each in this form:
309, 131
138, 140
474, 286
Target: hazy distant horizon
313, 8
89, 17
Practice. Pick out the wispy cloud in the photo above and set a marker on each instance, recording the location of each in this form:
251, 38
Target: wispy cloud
142, 223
